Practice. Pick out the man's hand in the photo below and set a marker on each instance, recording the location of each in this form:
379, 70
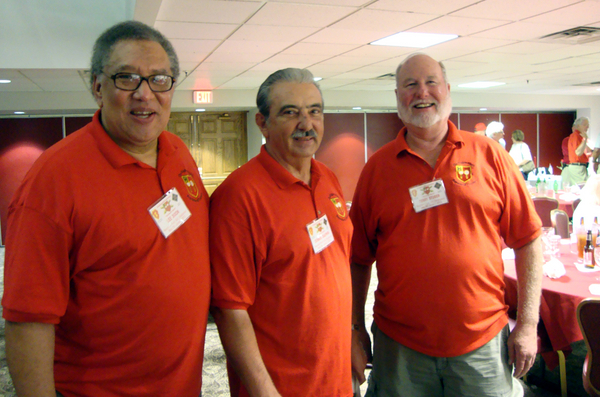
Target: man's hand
361, 353
522, 348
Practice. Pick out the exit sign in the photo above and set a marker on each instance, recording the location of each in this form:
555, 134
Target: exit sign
203, 97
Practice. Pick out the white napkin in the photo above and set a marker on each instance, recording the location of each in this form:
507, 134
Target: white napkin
554, 268
568, 196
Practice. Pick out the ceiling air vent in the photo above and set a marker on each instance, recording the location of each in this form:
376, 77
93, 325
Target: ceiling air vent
593, 83
578, 35
387, 76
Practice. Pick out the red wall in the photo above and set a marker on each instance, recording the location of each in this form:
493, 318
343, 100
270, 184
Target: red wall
343, 148
21, 143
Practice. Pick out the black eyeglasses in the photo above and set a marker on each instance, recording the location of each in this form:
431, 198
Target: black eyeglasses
132, 81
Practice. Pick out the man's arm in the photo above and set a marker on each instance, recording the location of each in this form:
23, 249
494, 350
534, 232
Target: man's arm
522, 342
595, 159
30, 357
361, 342
581, 148
239, 341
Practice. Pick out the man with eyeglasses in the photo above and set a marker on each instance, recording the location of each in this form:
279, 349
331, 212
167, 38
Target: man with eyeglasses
107, 278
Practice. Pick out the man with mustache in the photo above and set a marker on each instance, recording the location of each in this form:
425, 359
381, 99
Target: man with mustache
430, 208
280, 245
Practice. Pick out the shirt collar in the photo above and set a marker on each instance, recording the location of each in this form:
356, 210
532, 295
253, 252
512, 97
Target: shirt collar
116, 156
282, 177
454, 138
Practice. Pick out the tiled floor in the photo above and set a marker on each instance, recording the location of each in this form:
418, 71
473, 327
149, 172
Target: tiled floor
214, 375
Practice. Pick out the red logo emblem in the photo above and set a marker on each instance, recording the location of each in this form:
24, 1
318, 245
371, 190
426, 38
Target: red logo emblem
190, 184
340, 206
464, 173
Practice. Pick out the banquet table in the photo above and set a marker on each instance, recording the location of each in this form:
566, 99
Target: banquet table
560, 297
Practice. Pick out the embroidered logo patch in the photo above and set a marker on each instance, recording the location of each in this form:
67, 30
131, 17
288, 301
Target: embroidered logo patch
464, 172
191, 186
340, 206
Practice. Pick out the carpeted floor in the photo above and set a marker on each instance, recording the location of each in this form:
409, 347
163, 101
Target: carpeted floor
214, 374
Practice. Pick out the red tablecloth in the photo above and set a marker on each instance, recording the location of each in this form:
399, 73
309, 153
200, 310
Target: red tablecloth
560, 297
566, 205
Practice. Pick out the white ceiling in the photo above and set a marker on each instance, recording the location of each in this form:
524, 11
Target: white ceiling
45, 45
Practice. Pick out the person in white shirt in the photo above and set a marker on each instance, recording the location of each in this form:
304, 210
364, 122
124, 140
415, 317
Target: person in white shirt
520, 152
495, 130
589, 207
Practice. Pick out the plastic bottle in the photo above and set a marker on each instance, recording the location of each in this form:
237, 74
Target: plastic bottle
537, 185
555, 186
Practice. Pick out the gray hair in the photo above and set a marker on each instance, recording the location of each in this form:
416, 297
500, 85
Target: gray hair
290, 75
581, 121
128, 30
414, 55
493, 127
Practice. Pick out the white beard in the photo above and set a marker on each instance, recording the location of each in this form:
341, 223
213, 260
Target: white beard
425, 120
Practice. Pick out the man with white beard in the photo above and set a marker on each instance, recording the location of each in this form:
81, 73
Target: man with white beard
430, 208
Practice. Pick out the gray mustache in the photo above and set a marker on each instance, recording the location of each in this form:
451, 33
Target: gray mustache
304, 134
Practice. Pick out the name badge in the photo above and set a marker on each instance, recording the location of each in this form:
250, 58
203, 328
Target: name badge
428, 195
169, 212
320, 233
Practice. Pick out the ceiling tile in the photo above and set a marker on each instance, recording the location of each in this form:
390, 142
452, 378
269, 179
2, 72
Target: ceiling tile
287, 34
214, 11
512, 10
306, 15
580, 14
384, 21
457, 25
435, 7
194, 30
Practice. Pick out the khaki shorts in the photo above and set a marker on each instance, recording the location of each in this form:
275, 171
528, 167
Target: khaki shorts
402, 372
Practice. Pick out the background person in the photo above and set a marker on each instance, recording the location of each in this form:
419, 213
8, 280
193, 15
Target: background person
589, 206
430, 208
578, 151
495, 130
100, 300
520, 152
280, 251
480, 129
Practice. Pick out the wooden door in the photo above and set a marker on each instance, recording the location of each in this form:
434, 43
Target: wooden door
217, 142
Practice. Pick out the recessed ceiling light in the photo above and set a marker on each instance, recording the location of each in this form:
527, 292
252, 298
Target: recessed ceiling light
482, 109
414, 40
317, 78
4, 81
356, 108
481, 84
200, 110
19, 112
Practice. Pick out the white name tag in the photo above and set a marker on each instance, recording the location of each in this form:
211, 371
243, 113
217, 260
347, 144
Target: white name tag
428, 195
170, 212
320, 233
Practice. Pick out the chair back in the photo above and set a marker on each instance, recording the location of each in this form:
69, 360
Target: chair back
588, 316
543, 206
575, 203
560, 221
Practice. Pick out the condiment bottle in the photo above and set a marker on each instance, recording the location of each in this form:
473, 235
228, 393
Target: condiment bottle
588, 251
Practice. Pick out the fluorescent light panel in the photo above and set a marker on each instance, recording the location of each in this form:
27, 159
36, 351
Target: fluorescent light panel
414, 40
481, 84
4, 81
